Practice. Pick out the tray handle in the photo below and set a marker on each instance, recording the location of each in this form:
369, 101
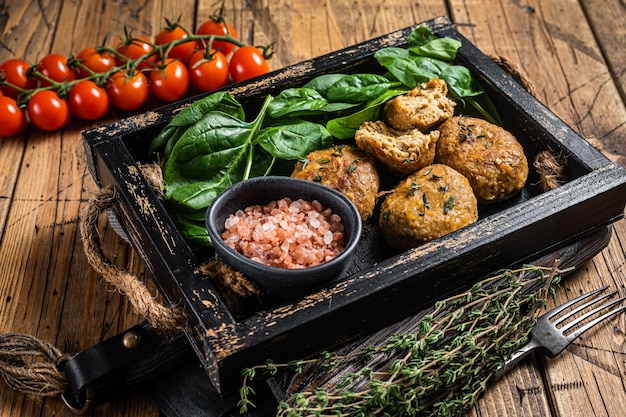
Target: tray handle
162, 317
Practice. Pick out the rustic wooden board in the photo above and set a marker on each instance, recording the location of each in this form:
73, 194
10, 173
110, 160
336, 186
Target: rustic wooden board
570, 72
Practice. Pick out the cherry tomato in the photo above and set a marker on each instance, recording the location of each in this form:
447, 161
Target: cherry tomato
128, 94
208, 73
14, 71
216, 27
88, 101
169, 82
182, 51
247, 62
98, 62
54, 66
135, 48
47, 111
12, 118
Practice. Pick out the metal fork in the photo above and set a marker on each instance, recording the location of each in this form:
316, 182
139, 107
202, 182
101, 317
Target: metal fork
551, 339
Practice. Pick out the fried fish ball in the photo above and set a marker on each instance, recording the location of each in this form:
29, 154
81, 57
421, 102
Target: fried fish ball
421, 108
402, 152
489, 156
428, 204
346, 169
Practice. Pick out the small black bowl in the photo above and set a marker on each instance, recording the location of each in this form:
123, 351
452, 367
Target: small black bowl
282, 282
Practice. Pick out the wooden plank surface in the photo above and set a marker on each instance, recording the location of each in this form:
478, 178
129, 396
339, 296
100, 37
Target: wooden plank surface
569, 49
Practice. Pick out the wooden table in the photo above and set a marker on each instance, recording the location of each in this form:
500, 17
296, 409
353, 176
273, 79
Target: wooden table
573, 51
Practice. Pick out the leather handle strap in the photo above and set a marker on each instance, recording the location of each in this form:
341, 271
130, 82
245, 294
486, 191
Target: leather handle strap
121, 364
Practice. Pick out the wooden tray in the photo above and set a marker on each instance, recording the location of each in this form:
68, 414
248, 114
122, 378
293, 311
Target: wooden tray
382, 286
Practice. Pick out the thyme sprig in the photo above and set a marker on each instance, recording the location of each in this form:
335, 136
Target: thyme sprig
434, 364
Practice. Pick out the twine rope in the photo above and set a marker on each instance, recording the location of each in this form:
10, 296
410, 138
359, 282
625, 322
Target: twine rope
31, 366
161, 316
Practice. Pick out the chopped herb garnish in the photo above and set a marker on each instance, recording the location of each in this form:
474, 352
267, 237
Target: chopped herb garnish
449, 205
386, 214
426, 202
353, 165
317, 178
428, 171
304, 163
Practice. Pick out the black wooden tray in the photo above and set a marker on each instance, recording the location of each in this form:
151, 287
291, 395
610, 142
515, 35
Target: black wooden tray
382, 286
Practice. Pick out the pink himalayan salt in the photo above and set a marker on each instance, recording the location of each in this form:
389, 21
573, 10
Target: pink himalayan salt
286, 233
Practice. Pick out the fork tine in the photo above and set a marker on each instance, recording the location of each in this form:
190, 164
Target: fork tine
585, 305
562, 307
592, 323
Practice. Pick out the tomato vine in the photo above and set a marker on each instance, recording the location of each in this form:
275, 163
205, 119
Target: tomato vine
123, 77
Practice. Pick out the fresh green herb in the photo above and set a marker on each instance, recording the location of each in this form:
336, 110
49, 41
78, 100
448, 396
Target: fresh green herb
317, 178
438, 365
353, 165
449, 205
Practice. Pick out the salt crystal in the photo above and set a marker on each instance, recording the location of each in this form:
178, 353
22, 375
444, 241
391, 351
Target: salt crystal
328, 237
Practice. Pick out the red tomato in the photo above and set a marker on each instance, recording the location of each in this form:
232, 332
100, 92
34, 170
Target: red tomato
14, 72
54, 66
208, 73
169, 82
182, 51
247, 62
98, 62
12, 118
128, 94
47, 111
216, 27
134, 48
88, 101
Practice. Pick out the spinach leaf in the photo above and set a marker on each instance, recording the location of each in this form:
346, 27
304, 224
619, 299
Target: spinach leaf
409, 69
460, 82
198, 195
345, 127
294, 140
205, 148
464, 88
420, 36
165, 141
423, 42
322, 83
302, 101
358, 88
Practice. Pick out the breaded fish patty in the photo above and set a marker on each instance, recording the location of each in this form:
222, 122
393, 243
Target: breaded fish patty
428, 204
421, 108
489, 156
346, 169
402, 152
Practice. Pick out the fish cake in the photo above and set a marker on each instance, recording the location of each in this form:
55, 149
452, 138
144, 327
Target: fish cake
428, 204
489, 156
346, 169
421, 108
400, 151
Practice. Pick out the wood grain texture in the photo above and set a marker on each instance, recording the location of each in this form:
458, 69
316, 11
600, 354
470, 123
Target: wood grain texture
557, 46
570, 49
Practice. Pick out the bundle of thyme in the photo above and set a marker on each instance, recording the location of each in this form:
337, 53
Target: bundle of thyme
434, 364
